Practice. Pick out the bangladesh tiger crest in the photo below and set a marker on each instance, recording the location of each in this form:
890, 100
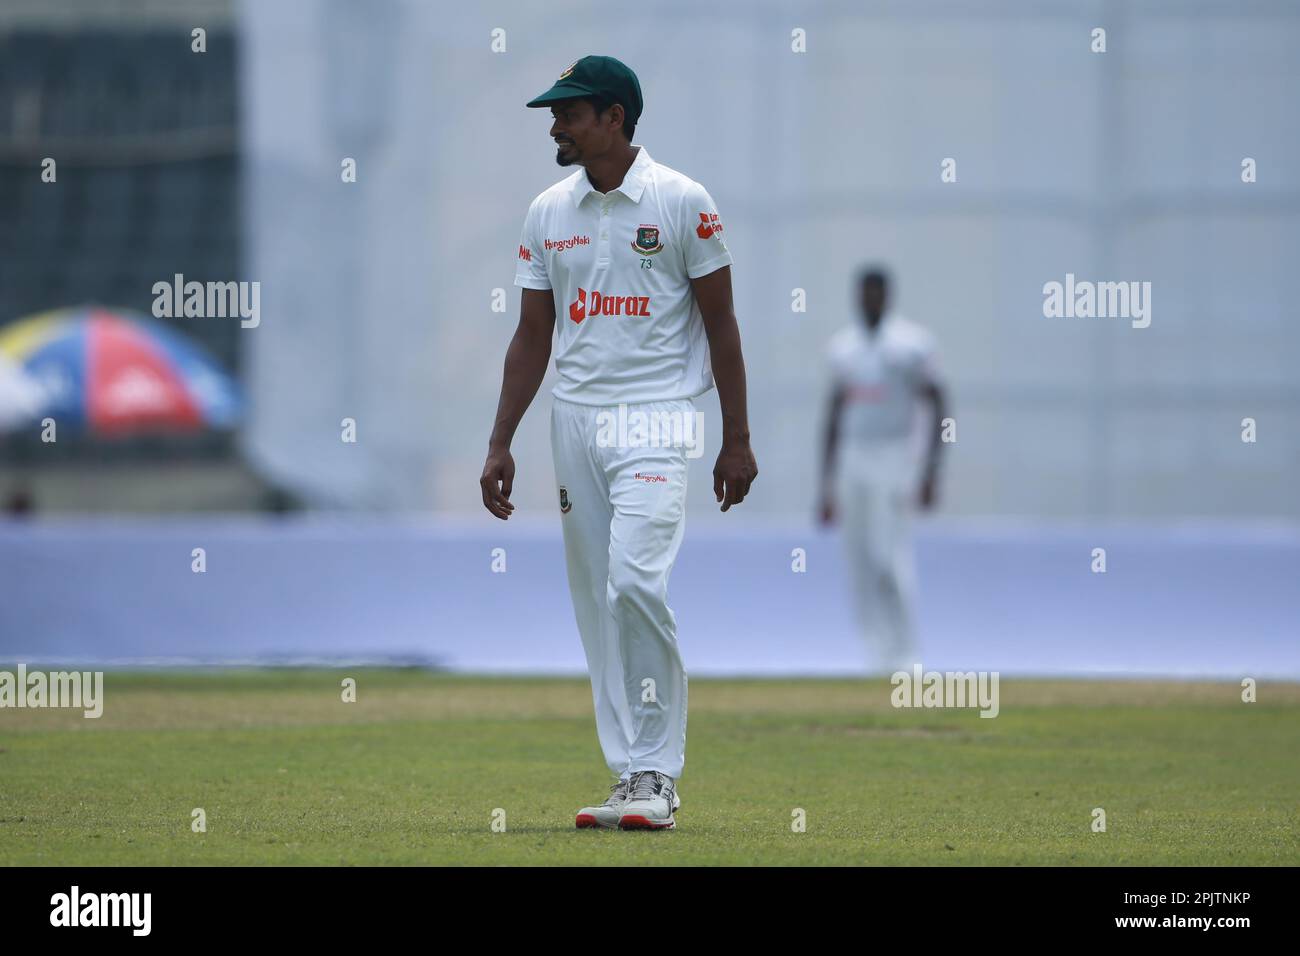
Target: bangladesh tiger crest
565, 504
647, 240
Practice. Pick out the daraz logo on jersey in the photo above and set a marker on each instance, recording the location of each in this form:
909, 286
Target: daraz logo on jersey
597, 303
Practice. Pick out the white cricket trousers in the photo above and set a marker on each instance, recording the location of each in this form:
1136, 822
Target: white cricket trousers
623, 509
877, 484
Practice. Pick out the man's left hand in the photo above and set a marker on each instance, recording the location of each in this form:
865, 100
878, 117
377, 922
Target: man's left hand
734, 473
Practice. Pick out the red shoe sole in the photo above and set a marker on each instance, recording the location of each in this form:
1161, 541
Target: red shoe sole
585, 821
641, 823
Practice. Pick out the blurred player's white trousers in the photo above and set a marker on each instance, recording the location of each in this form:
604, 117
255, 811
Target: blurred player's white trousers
876, 489
626, 512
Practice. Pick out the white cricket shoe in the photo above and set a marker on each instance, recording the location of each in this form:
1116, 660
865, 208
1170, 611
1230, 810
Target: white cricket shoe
651, 800
606, 815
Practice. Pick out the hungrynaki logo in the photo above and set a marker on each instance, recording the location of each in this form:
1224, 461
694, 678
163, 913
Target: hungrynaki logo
597, 303
559, 245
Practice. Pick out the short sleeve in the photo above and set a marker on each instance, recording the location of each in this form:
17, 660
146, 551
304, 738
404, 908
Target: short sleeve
705, 248
928, 370
530, 264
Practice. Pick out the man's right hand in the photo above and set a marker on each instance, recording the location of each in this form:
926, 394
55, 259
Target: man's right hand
497, 481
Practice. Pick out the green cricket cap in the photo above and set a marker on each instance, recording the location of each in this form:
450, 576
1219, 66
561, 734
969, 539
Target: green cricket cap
597, 76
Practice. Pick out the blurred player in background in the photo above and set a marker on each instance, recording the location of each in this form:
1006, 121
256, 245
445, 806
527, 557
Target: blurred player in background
886, 409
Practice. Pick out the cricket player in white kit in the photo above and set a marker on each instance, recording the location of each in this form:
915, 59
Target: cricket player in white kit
624, 264
884, 375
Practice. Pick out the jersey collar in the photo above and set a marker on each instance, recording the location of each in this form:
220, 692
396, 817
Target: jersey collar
887, 322
634, 181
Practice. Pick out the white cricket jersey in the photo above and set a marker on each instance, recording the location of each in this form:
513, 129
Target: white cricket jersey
881, 372
627, 327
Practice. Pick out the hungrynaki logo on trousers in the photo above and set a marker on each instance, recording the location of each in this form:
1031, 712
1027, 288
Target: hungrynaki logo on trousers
597, 303
565, 505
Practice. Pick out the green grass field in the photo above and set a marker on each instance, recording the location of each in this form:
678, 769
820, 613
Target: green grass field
412, 772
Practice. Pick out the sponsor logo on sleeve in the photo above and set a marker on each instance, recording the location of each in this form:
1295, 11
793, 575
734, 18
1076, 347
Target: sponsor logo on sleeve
709, 226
